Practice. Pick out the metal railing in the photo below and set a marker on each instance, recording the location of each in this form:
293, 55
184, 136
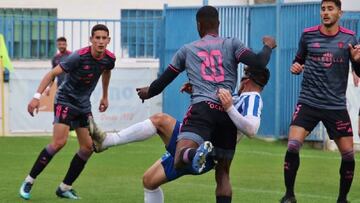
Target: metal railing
35, 38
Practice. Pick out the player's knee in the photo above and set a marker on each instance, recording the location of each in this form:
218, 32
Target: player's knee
86, 149
294, 146
57, 145
159, 119
148, 182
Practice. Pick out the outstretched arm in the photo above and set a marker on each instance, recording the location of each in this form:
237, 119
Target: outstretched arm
158, 85
260, 59
47, 79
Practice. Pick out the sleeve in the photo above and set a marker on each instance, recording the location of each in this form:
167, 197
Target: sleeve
178, 61
53, 62
248, 124
112, 64
70, 63
355, 65
248, 57
302, 51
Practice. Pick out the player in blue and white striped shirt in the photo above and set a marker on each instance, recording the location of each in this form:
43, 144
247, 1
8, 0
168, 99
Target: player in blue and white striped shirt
244, 110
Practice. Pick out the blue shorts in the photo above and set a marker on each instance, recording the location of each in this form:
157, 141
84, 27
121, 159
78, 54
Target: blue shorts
167, 160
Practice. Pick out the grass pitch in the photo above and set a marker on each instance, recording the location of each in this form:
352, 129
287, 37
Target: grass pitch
116, 174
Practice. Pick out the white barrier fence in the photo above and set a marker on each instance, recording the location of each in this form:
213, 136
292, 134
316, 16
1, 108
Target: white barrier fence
125, 108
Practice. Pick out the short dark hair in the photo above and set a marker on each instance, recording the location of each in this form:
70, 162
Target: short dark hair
336, 2
208, 16
259, 75
99, 27
61, 39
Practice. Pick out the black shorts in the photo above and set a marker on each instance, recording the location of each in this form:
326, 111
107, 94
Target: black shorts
336, 122
70, 116
209, 121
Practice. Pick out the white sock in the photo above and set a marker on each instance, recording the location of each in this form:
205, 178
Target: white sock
137, 132
64, 187
29, 179
153, 196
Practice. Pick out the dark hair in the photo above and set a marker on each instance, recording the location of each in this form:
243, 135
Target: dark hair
208, 16
260, 76
61, 39
99, 27
336, 2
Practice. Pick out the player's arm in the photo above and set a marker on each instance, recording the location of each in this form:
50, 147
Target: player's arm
104, 102
158, 85
248, 124
35, 102
298, 63
172, 71
355, 57
261, 59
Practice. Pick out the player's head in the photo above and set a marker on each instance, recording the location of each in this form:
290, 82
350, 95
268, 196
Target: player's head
99, 38
207, 19
330, 12
254, 79
61, 44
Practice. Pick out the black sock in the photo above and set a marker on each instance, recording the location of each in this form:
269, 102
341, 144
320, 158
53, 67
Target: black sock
291, 165
41, 162
223, 199
346, 178
76, 166
190, 156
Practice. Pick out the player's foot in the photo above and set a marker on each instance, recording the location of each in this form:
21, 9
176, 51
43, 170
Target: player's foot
69, 194
25, 190
288, 199
97, 136
199, 161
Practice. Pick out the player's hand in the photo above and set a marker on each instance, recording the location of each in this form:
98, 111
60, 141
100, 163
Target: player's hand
104, 103
143, 93
355, 52
269, 41
225, 98
187, 88
296, 68
33, 106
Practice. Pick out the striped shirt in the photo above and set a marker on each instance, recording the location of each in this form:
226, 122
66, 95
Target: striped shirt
249, 104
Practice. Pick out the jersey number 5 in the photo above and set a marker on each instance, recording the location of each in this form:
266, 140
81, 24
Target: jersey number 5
210, 70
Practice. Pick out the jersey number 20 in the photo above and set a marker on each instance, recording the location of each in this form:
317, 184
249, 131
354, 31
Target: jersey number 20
210, 70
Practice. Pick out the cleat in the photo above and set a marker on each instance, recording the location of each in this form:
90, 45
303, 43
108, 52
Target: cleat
25, 190
69, 194
97, 136
199, 161
288, 199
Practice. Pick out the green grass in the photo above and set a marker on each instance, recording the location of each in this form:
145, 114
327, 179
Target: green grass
116, 174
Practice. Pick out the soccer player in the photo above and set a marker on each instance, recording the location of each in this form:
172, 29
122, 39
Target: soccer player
210, 64
244, 110
61, 45
323, 56
72, 107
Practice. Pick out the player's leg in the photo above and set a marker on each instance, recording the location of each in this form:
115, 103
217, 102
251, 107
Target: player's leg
302, 124
191, 148
59, 138
160, 123
338, 125
224, 140
152, 179
223, 186
79, 160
